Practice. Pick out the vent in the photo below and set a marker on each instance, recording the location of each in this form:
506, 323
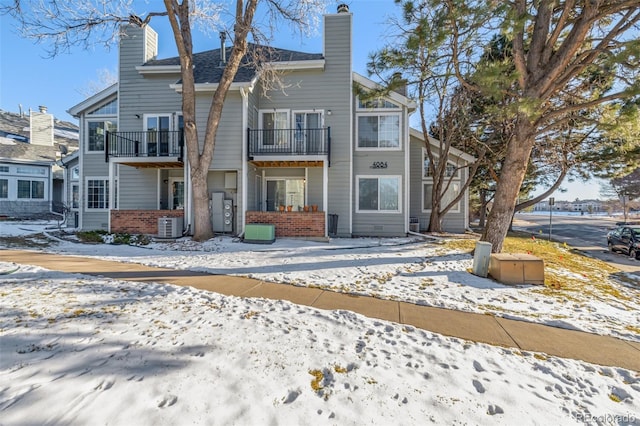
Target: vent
169, 227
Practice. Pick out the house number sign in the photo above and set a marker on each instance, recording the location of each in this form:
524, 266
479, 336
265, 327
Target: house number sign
379, 165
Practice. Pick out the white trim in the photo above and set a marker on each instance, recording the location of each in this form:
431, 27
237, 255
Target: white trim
312, 64
244, 93
158, 69
379, 114
455, 209
370, 84
325, 196
435, 142
84, 138
211, 87
86, 203
93, 100
400, 189
172, 180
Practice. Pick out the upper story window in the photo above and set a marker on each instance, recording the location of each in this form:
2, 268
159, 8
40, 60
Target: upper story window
379, 103
75, 173
96, 131
4, 169
27, 170
110, 108
379, 131
451, 170
275, 125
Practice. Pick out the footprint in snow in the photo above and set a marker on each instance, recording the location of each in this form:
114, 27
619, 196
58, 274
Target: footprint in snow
168, 401
494, 409
478, 386
292, 396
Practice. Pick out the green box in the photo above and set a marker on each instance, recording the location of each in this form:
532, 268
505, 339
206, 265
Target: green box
259, 233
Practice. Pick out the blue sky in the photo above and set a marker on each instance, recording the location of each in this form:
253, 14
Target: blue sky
30, 79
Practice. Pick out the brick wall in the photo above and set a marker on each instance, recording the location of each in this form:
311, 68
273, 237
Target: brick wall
291, 224
140, 221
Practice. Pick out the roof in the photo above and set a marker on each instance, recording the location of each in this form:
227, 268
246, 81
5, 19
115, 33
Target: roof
93, 100
207, 67
414, 133
18, 149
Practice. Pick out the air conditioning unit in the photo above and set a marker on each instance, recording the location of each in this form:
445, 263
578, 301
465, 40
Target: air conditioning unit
169, 227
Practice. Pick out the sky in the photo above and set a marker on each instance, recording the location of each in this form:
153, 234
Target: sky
28, 78
92, 350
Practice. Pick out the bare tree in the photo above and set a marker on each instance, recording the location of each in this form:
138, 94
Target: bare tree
415, 60
66, 24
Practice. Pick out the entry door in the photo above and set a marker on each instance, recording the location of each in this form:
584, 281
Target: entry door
157, 128
176, 194
307, 131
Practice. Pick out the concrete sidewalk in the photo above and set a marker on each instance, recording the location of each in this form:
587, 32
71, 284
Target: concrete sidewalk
489, 329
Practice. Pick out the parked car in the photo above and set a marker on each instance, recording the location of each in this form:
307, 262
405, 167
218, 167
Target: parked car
625, 239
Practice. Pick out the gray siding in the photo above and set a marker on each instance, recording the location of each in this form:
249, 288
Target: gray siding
143, 195
139, 94
227, 153
314, 187
377, 223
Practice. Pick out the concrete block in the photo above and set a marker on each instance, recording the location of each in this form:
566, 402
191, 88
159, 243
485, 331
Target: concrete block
516, 268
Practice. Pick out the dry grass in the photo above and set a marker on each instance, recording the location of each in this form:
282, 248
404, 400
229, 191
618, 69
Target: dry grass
567, 271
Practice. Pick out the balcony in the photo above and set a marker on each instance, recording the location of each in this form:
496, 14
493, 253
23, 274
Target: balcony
152, 145
285, 143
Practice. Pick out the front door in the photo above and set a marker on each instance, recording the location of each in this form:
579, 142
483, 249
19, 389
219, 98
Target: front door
176, 194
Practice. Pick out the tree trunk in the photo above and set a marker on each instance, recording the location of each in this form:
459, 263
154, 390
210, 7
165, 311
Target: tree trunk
511, 178
202, 218
483, 208
435, 224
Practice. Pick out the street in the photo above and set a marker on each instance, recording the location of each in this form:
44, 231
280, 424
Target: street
585, 233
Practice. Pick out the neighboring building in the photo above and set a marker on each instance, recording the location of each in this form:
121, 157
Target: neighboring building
586, 206
317, 145
31, 183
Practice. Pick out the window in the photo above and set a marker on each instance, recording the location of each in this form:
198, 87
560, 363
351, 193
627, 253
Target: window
379, 131
97, 131
75, 173
4, 169
26, 170
378, 103
110, 108
308, 131
75, 196
285, 192
97, 194
274, 125
157, 128
380, 194
31, 189
450, 171
4, 188
451, 193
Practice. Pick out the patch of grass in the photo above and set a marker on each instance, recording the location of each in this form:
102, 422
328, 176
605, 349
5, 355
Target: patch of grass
28, 241
91, 236
566, 270
614, 397
316, 383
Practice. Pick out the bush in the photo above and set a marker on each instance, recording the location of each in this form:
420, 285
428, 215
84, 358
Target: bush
96, 236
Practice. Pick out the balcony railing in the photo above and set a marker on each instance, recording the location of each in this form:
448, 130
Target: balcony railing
288, 142
149, 143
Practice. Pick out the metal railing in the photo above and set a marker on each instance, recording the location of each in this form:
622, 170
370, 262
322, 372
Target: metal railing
149, 143
289, 142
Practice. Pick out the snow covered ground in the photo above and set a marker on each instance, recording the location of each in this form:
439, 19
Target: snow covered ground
83, 350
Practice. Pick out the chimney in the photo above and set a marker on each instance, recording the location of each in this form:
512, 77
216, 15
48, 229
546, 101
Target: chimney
42, 108
41, 127
343, 8
223, 49
400, 84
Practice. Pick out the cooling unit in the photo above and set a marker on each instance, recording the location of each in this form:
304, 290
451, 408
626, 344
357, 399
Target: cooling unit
169, 227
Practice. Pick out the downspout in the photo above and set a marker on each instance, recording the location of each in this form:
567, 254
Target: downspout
245, 124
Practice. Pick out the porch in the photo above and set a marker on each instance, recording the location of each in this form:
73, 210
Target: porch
152, 148
291, 224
